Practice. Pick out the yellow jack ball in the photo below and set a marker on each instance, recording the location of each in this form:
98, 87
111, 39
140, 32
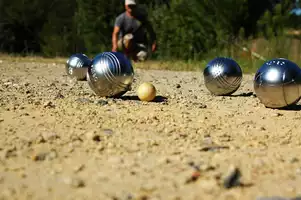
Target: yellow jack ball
146, 92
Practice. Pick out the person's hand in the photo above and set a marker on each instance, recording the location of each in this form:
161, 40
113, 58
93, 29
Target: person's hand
114, 49
154, 47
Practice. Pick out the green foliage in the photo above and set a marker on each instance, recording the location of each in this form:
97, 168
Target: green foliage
95, 20
187, 30
273, 22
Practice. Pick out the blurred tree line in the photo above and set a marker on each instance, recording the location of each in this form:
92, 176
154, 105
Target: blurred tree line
185, 29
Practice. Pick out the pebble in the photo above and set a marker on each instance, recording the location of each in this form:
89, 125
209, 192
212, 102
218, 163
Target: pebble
92, 135
48, 104
108, 131
101, 102
49, 136
213, 148
79, 168
83, 100
11, 152
277, 114
7, 83
232, 177
202, 106
74, 182
193, 177
294, 160
59, 96
41, 156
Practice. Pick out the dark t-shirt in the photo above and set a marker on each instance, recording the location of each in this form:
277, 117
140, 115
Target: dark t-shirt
138, 26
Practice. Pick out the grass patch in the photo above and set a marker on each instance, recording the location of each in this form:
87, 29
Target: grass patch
280, 47
171, 65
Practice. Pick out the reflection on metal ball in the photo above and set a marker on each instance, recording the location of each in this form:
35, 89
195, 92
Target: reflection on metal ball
277, 83
222, 76
110, 74
77, 66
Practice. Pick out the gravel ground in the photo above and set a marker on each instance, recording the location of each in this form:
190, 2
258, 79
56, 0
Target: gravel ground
60, 141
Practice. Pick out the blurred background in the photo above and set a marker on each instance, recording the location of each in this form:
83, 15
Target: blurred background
187, 30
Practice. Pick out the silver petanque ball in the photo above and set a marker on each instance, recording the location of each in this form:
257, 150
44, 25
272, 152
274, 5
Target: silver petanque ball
222, 76
110, 74
277, 83
77, 66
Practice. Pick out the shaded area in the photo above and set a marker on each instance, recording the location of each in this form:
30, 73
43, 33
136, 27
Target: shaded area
293, 107
158, 99
244, 94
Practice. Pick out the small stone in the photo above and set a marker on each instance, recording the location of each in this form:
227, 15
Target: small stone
100, 148
232, 177
52, 155
101, 102
202, 106
294, 160
48, 104
45, 155
83, 100
74, 182
194, 177
1, 120
213, 148
79, 168
8, 83
59, 96
108, 131
96, 138
178, 86
39, 157
48, 136
92, 135
26, 84
277, 114
8, 153
206, 167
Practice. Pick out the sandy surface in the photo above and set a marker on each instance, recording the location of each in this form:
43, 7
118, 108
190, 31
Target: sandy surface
59, 141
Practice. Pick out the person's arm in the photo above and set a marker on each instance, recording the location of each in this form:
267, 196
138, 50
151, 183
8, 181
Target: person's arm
117, 25
153, 36
115, 38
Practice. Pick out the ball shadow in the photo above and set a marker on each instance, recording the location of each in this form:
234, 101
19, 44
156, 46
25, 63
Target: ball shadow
244, 94
294, 107
158, 99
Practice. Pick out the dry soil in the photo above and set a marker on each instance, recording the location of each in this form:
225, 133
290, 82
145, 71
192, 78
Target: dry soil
60, 141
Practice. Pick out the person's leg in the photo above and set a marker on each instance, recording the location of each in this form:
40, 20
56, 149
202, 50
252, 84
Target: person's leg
125, 45
120, 45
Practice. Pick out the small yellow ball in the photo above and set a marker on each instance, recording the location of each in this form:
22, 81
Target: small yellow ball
146, 92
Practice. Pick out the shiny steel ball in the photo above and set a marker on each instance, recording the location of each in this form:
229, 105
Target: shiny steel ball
77, 66
110, 74
222, 76
277, 83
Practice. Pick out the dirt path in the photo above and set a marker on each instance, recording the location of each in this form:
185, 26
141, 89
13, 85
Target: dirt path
59, 141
